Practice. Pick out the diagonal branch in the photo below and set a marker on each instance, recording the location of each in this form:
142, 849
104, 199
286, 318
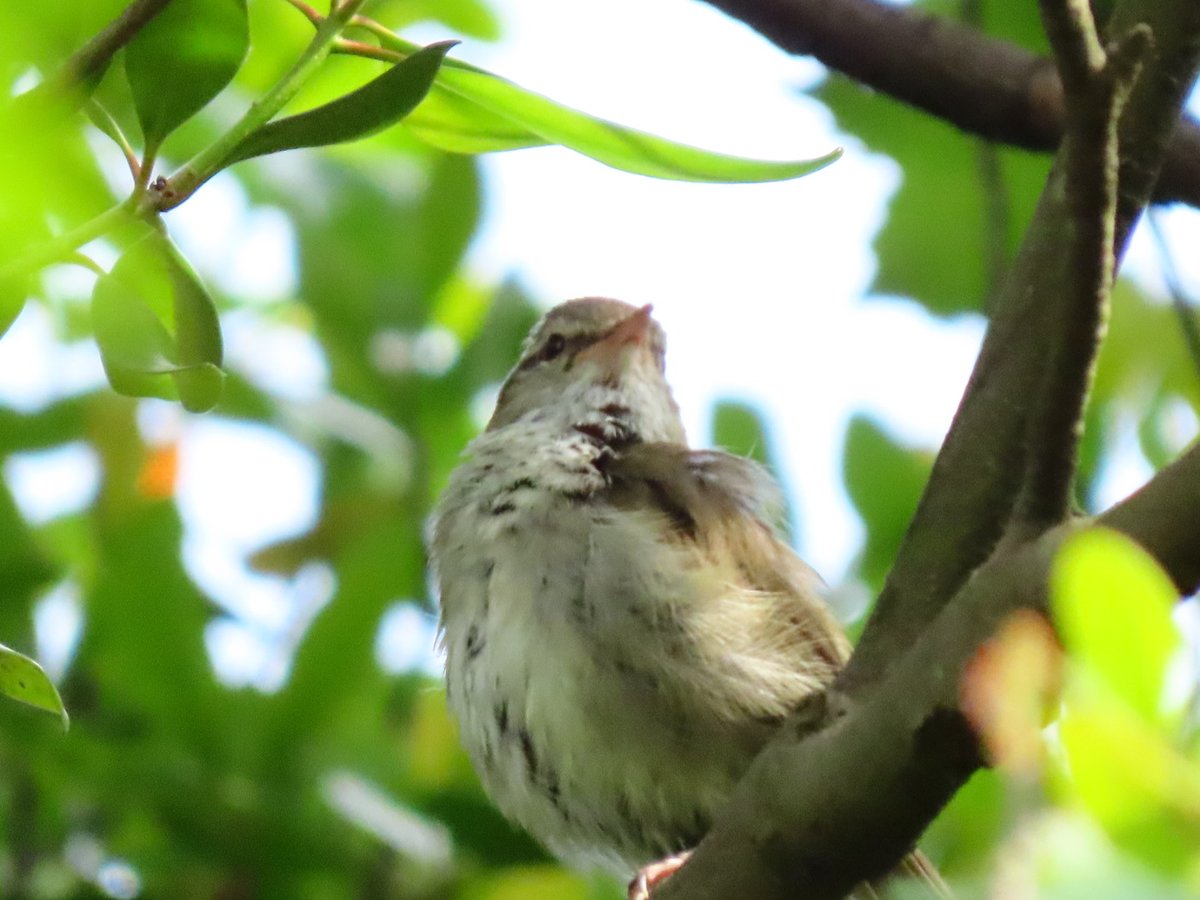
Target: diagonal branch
819, 812
967, 505
981, 84
1097, 86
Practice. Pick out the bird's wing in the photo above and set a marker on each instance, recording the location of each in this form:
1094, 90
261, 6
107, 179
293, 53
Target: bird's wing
721, 507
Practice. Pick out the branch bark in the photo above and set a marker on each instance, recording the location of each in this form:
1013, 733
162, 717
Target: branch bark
820, 812
983, 85
970, 498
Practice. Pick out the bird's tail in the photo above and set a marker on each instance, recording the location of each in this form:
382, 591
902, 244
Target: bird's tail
916, 867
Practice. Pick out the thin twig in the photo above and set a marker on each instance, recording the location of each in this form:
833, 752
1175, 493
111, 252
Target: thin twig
88, 64
314, 17
102, 119
997, 208
167, 193
63, 246
1078, 53
367, 51
86, 262
1095, 93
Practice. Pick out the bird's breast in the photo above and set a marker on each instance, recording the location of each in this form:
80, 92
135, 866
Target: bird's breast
576, 742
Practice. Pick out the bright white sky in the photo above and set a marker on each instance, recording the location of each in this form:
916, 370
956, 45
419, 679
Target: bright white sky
758, 288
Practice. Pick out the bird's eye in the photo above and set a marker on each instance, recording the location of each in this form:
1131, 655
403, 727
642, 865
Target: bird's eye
553, 348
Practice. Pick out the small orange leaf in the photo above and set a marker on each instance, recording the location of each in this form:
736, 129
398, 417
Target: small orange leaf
1009, 687
156, 481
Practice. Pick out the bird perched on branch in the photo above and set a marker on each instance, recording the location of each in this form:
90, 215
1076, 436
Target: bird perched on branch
623, 628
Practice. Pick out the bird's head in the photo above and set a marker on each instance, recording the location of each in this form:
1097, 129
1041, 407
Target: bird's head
590, 356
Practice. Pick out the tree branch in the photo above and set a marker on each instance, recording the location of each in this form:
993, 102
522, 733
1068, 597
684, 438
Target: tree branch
88, 64
968, 502
1164, 517
982, 85
1097, 85
819, 812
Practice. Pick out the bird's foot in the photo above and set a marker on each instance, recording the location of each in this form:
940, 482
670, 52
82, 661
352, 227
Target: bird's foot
649, 876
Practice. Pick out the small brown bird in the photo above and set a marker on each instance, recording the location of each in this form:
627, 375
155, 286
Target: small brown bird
623, 628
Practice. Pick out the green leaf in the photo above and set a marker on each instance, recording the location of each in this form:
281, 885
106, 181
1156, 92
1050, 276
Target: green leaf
23, 679
377, 104
1140, 788
741, 429
1113, 606
13, 292
157, 327
884, 481
182, 59
738, 428
200, 386
472, 110
197, 328
942, 193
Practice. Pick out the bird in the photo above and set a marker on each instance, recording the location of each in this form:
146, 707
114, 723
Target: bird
623, 627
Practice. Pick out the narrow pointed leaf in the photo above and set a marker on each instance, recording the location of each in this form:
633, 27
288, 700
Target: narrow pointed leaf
182, 59
379, 103
451, 122
23, 679
472, 110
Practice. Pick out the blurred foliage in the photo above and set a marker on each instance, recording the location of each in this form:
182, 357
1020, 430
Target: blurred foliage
341, 779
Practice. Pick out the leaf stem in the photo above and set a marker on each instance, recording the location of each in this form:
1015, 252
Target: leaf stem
65, 245
102, 119
166, 194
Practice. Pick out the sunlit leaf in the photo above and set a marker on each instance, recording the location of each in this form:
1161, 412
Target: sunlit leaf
12, 301
1143, 792
377, 104
1113, 606
182, 59
200, 386
488, 112
472, 18
157, 328
135, 346
23, 679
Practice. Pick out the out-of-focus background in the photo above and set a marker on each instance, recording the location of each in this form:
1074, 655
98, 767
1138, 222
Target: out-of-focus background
235, 605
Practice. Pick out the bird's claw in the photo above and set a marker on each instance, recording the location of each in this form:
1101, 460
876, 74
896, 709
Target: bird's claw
651, 875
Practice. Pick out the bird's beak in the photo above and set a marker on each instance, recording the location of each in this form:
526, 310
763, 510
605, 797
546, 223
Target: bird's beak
610, 351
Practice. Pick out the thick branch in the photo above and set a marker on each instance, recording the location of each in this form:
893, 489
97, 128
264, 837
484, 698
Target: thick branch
818, 813
1164, 517
983, 85
966, 507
